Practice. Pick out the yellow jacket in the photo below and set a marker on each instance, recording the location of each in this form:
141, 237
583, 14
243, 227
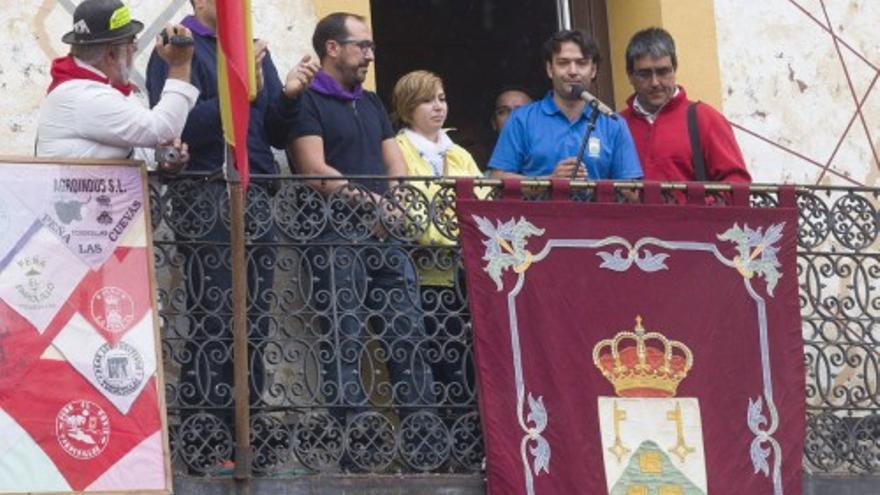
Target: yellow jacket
459, 163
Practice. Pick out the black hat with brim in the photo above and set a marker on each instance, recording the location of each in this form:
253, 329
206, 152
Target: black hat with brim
101, 21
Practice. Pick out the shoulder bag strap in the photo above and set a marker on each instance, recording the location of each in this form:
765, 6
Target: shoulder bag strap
696, 149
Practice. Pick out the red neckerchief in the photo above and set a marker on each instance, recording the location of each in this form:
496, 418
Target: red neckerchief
66, 69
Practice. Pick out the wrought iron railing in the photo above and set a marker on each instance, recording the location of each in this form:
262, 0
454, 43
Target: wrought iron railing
361, 357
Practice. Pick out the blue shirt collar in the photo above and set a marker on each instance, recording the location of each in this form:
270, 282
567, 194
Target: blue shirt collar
548, 106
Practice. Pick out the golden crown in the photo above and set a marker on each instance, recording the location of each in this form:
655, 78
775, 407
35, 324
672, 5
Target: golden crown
653, 367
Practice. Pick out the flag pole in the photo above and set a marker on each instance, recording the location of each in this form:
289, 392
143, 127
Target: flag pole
236, 85
241, 367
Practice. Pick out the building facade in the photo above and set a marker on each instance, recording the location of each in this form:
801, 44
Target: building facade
796, 78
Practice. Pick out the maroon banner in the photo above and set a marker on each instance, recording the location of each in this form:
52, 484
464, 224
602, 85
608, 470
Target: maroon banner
636, 348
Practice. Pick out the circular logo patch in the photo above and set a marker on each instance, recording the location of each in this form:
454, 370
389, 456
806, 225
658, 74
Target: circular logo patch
112, 309
83, 429
118, 368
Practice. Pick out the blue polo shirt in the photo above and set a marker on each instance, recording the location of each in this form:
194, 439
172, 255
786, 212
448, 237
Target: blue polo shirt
538, 136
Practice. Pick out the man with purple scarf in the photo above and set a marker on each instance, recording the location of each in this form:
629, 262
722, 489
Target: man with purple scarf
342, 130
204, 392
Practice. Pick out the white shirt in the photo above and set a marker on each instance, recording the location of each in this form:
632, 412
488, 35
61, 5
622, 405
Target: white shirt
82, 118
651, 117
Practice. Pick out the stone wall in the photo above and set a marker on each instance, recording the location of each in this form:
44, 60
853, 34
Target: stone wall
800, 85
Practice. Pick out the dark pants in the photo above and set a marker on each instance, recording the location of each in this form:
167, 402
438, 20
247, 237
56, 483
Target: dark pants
446, 323
369, 286
205, 390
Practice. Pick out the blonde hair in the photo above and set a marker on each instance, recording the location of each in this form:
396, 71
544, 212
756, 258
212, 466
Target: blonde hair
412, 90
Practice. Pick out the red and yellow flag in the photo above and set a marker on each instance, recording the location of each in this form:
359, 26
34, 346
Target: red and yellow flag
236, 77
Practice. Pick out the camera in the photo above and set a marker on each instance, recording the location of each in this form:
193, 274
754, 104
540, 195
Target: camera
169, 160
169, 155
176, 40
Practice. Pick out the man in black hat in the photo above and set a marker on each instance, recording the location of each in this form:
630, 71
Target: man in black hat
88, 112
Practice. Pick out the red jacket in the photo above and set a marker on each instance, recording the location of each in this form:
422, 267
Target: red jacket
665, 150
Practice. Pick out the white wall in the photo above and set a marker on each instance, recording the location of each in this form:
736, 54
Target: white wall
800, 84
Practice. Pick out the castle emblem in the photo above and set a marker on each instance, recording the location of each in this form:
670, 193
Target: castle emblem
113, 309
119, 369
652, 441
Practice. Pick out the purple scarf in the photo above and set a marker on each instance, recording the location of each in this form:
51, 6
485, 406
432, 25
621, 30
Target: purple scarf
328, 86
193, 24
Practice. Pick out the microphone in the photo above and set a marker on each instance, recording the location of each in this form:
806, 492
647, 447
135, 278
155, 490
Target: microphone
579, 91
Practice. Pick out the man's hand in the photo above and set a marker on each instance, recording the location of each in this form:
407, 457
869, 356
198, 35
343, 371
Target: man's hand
260, 47
175, 56
300, 76
565, 169
390, 214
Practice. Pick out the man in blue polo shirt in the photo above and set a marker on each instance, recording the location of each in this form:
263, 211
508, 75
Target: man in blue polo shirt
542, 139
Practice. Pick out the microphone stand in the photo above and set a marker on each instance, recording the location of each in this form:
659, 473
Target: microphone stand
591, 126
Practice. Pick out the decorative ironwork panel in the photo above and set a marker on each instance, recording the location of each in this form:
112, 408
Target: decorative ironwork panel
359, 328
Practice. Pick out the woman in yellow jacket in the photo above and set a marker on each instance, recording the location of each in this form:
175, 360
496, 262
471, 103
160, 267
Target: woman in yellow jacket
419, 103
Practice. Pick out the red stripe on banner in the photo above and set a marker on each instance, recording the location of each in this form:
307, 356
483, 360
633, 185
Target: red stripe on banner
560, 189
511, 189
605, 191
652, 194
237, 47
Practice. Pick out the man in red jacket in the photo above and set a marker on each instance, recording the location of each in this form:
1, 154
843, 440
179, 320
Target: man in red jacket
657, 115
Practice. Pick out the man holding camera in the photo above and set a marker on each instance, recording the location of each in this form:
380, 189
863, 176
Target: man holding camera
199, 222
271, 112
90, 112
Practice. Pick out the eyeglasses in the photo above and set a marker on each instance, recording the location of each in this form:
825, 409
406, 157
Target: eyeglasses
649, 73
364, 45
